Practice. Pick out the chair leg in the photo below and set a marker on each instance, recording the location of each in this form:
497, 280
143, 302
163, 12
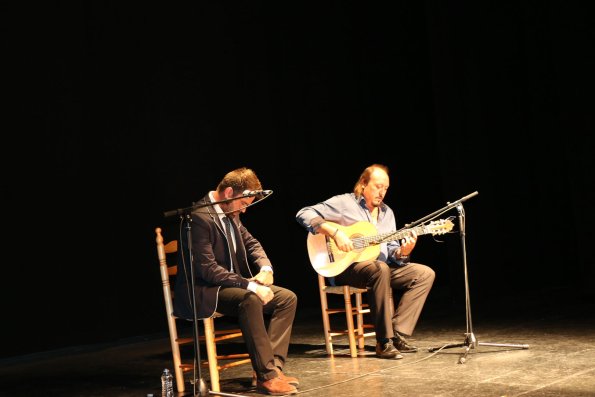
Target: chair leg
173, 333
175, 348
349, 318
211, 353
325, 317
360, 321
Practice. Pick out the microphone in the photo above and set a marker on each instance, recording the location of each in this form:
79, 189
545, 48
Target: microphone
252, 193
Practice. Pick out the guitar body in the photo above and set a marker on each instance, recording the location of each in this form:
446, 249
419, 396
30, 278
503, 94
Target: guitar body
329, 261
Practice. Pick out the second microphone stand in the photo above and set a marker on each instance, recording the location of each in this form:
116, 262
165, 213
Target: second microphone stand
470, 341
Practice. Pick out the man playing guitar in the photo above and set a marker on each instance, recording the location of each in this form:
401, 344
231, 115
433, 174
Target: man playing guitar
389, 267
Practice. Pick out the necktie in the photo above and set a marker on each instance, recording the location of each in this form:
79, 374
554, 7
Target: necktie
228, 232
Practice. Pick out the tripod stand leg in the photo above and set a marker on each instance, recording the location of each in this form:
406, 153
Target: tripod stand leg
514, 345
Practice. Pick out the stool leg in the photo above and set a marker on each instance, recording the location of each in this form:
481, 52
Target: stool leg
325, 316
360, 321
349, 318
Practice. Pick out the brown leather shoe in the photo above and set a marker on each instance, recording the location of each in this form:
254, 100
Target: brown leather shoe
403, 345
275, 387
289, 379
387, 350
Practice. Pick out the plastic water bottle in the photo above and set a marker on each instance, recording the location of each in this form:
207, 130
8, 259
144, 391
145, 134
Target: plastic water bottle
167, 384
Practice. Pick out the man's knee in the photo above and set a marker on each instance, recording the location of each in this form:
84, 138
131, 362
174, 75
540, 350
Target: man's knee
250, 300
288, 297
428, 275
382, 270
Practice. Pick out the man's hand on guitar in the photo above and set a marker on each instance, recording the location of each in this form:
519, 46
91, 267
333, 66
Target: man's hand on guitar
342, 241
408, 243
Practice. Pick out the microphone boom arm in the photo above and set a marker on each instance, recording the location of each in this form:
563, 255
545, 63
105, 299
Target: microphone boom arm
188, 210
441, 210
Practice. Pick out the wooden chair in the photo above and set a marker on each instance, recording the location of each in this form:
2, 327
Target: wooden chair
355, 335
210, 336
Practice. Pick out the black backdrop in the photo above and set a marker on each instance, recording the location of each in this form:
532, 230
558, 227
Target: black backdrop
116, 113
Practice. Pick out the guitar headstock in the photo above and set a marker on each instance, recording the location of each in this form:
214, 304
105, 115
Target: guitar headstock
440, 226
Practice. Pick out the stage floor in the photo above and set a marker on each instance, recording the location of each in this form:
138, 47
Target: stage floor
559, 329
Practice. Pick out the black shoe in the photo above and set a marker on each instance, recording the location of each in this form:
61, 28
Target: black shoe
387, 350
401, 343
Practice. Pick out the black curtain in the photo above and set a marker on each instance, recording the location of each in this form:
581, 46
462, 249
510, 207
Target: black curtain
117, 113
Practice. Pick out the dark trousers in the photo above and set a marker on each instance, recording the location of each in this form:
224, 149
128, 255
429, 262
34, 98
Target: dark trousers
413, 281
267, 346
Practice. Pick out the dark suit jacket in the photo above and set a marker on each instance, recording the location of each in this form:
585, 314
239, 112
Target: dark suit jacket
212, 262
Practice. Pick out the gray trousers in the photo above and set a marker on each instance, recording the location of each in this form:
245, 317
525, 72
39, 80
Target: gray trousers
413, 283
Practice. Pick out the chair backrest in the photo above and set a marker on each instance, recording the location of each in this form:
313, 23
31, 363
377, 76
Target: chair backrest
167, 254
168, 270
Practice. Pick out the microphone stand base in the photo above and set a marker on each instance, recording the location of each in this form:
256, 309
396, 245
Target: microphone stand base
471, 343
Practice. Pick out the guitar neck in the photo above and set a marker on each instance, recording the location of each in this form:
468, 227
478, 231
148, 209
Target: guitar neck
386, 237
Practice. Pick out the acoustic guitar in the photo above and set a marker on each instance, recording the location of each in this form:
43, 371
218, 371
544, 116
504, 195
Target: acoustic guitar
329, 261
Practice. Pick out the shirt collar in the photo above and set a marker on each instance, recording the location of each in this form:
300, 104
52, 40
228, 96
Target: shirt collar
216, 207
362, 203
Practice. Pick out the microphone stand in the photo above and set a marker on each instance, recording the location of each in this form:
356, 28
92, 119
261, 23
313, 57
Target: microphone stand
470, 341
185, 214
